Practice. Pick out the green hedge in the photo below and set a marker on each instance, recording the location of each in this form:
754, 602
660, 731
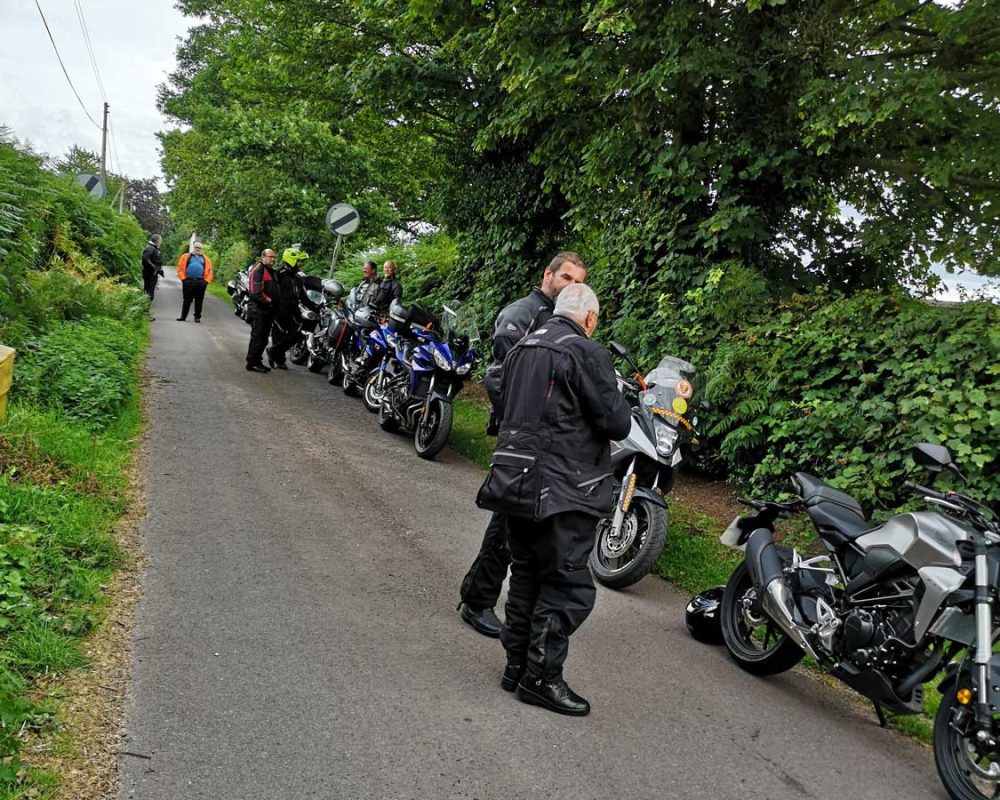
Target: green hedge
843, 387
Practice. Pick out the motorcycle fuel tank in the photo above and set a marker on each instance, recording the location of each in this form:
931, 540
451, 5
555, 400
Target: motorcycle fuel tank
922, 538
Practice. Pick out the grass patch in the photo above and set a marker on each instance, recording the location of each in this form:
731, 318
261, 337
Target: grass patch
64, 456
218, 289
468, 432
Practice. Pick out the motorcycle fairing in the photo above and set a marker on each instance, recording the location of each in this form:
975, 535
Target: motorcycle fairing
636, 440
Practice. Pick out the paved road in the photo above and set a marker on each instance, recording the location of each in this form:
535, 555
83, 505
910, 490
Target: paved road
298, 638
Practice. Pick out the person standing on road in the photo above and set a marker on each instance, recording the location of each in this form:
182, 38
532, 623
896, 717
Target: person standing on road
368, 288
482, 583
551, 475
390, 290
152, 265
285, 331
195, 273
264, 300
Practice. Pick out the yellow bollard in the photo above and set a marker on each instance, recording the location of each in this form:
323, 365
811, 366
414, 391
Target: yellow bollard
6, 376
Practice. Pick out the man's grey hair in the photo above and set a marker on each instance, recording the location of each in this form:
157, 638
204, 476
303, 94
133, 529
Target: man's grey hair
575, 302
156, 238
196, 244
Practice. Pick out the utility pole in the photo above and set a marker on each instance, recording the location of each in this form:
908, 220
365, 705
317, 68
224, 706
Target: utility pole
104, 146
121, 199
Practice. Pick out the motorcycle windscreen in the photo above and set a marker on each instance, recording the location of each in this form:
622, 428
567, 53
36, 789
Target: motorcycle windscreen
671, 389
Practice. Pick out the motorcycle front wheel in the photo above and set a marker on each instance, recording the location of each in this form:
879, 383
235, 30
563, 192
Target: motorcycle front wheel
433, 429
314, 364
347, 378
386, 420
754, 640
619, 561
333, 372
374, 391
966, 773
298, 354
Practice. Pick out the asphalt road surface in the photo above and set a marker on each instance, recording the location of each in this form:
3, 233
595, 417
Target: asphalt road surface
297, 637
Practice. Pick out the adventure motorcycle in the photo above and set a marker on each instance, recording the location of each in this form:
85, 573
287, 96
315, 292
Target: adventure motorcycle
312, 299
322, 343
630, 541
239, 290
884, 610
430, 367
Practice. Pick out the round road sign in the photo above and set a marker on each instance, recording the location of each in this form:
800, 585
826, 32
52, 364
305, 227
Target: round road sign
342, 219
93, 184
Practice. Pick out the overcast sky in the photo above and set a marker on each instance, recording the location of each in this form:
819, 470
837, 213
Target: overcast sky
134, 43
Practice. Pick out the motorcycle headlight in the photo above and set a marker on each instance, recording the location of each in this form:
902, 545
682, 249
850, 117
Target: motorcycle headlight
441, 361
666, 438
465, 369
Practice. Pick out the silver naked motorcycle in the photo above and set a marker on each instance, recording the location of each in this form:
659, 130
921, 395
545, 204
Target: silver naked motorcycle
631, 539
886, 609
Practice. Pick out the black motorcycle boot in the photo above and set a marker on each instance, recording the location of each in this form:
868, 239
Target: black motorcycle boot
257, 368
552, 694
483, 620
512, 673
272, 363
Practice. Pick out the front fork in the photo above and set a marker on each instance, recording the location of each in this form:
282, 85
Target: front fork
982, 660
624, 498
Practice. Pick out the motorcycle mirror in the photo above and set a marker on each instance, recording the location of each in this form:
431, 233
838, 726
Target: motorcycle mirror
619, 349
936, 458
704, 405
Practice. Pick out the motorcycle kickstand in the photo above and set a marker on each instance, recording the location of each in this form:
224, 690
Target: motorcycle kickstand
882, 721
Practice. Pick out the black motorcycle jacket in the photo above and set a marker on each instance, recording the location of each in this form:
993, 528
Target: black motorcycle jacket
561, 407
152, 261
288, 292
389, 291
367, 292
264, 291
512, 323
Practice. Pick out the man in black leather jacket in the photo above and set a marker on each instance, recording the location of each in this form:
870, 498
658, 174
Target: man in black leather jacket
482, 583
152, 265
367, 290
264, 301
390, 290
551, 474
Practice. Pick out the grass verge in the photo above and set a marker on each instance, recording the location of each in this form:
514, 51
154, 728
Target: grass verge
693, 559
63, 488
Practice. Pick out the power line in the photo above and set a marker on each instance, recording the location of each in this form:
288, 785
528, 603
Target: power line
90, 48
68, 80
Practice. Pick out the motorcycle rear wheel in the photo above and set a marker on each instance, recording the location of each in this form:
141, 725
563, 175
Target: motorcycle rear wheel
636, 559
298, 354
433, 429
333, 373
374, 391
754, 641
347, 379
965, 774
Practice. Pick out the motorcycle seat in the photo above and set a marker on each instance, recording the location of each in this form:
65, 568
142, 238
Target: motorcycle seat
837, 516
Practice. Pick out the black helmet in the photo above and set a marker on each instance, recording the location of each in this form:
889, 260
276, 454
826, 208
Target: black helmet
702, 616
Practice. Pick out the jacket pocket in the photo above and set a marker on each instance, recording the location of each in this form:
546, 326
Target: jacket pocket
597, 493
513, 484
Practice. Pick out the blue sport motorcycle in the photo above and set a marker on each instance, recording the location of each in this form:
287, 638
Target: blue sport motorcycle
431, 365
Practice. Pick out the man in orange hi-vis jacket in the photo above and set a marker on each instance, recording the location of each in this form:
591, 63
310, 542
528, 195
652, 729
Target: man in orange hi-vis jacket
195, 273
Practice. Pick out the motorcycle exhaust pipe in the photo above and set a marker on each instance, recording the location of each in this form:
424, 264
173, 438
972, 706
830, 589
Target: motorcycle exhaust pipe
768, 575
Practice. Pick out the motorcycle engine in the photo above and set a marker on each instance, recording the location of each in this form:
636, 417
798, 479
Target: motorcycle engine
872, 639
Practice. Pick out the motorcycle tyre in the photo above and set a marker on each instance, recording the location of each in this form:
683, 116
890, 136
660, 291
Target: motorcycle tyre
782, 659
440, 436
643, 563
372, 400
298, 354
950, 770
386, 421
333, 373
313, 364
347, 383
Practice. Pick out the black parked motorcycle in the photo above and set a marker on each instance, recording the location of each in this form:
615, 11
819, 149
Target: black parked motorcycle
312, 299
323, 343
884, 610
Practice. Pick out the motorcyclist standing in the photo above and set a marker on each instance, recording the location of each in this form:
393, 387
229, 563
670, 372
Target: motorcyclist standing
482, 583
264, 300
390, 290
367, 290
285, 332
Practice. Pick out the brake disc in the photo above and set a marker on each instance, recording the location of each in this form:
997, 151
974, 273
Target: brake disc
616, 546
